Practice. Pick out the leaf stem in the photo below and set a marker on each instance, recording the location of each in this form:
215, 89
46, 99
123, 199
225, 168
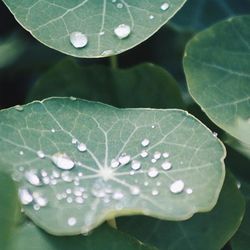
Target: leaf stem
112, 223
114, 62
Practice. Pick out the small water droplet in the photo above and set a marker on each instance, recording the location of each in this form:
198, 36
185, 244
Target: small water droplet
119, 5
153, 160
146, 183
81, 147
238, 184
117, 195
153, 126
21, 153
25, 196
69, 200
33, 178
122, 31
215, 134
79, 200
135, 165
132, 172
40, 154
153, 172
66, 176
40, 200
151, 17
18, 108
124, 159
157, 155
144, 154
62, 161
46, 180
177, 186
53, 130
165, 6
78, 39
145, 142
135, 190
166, 165
72, 98
155, 192
74, 141
158, 183
72, 221
165, 155
189, 190
114, 163
107, 52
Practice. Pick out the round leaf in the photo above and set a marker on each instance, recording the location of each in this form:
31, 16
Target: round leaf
93, 28
217, 70
80, 163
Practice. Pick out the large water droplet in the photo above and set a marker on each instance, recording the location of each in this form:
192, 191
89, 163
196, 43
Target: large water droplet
25, 196
32, 177
124, 159
122, 31
81, 147
153, 172
135, 165
165, 6
72, 221
145, 142
62, 161
177, 186
78, 39
166, 165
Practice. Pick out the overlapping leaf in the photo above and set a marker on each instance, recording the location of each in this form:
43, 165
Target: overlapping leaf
80, 163
53, 22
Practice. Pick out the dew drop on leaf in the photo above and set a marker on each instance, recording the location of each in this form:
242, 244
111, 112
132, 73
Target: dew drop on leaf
78, 39
122, 31
62, 161
177, 186
117, 195
124, 159
165, 6
189, 190
33, 178
81, 147
72, 221
144, 154
18, 108
135, 165
114, 163
145, 142
153, 172
166, 165
25, 196
40, 154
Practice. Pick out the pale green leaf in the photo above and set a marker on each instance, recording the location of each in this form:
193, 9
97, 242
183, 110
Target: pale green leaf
217, 63
53, 21
34, 137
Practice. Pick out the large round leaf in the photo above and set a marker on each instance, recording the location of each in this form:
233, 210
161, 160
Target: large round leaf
217, 65
102, 238
204, 231
106, 27
80, 163
112, 86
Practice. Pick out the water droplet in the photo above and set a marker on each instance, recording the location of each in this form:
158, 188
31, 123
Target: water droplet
74, 141
238, 184
155, 192
165, 155
18, 108
215, 134
101, 33
40, 154
72, 221
153, 126
153, 160
122, 31
32, 177
81, 147
166, 165
25, 196
144, 154
146, 183
119, 5
62, 161
189, 190
135, 165
124, 159
79, 200
78, 39
145, 142
135, 190
55, 174
107, 52
132, 172
151, 17
72, 98
69, 200
66, 176
117, 195
165, 6
36, 207
46, 180
158, 183
41, 201
177, 187
53, 130
114, 163
21, 153
157, 155
153, 172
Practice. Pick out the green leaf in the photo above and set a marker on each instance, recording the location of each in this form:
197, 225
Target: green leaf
217, 65
135, 87
102, 238
54, 22
8, 207
65, 154
241, 240
202, 232
199, 14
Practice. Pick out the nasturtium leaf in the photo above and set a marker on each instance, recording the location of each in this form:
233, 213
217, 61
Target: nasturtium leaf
92, 28
135, 87
217, 65
102, 238
8, 208
199, 14
204, 231
79, 163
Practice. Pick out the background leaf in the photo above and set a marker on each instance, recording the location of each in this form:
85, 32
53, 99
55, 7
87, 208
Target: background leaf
96, 19
202, 232
170, 165
145, 85
102, 238
217, 70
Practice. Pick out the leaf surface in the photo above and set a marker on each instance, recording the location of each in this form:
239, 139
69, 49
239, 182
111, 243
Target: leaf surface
54, 23
80, 163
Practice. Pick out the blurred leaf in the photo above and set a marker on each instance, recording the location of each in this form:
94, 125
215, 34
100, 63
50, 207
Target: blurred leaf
217, 66
199, 14
145, 85
96, 20
102, 238
8, 208
80, 163
209, 231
